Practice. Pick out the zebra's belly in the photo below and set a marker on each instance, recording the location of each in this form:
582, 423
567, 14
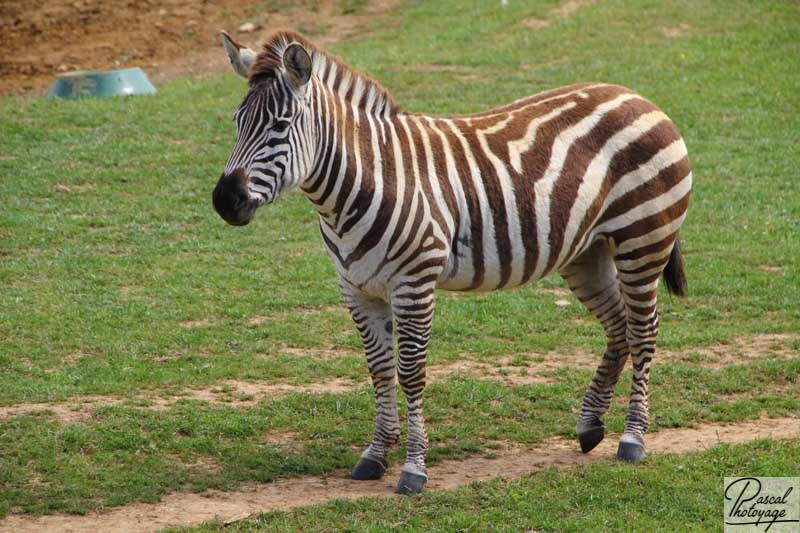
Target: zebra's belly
490, 272
460, 273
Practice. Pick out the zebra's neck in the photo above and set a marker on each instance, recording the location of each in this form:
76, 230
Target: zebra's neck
353, 126
349, 117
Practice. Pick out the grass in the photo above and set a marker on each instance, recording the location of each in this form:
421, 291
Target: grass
119, 279
466, 416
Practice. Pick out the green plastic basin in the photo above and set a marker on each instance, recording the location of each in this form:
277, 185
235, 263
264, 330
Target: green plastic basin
100, 83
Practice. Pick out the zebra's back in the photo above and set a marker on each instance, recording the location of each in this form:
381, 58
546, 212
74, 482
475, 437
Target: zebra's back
530, 185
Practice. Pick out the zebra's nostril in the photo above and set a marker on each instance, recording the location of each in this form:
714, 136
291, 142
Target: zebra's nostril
231, 199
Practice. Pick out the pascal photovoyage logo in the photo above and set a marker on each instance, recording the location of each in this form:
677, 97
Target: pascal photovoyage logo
762, 504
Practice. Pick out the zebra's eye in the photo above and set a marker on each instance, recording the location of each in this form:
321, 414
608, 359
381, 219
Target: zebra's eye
280, 125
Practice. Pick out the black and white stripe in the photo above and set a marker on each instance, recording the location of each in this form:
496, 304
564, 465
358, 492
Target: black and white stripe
591, 181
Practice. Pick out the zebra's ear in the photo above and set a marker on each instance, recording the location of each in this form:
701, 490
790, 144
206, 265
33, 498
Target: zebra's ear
240, 56
297, 63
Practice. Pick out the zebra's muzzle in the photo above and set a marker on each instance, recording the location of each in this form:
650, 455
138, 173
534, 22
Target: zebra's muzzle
232, 199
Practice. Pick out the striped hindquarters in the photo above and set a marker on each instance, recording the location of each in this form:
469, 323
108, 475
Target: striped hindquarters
541, 179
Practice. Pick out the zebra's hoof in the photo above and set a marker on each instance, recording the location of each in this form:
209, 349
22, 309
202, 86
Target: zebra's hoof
631, 448
591, 436
368, 469
411, 483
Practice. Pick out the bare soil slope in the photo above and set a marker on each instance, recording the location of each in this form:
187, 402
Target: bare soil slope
40, 38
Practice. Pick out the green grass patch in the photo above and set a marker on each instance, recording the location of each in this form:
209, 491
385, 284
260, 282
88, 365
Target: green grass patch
119, 279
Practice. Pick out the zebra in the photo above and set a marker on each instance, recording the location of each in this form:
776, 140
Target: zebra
590, 180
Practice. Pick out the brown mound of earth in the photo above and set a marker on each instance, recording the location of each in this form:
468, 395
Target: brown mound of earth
41, 38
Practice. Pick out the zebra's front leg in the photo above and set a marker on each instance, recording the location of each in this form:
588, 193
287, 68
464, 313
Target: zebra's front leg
373, 319
413, 310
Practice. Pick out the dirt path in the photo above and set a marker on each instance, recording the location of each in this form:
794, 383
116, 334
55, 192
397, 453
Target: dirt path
507, 369
183, 509
231, 392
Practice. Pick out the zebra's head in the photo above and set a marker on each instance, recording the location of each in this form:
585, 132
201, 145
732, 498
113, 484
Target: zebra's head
274, 149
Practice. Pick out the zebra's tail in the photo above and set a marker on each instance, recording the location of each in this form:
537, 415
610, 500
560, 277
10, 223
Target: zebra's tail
674, 275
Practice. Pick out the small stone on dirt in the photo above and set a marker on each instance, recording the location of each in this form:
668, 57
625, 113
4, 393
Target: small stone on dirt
247, 27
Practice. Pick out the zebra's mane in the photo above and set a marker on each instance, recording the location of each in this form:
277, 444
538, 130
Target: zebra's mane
330, 70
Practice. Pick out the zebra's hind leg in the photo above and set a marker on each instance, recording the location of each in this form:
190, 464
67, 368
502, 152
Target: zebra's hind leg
373, 320
592, 277
413, 307
639, 272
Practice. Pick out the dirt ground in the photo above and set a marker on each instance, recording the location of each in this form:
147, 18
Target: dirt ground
167, 38
185, 509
